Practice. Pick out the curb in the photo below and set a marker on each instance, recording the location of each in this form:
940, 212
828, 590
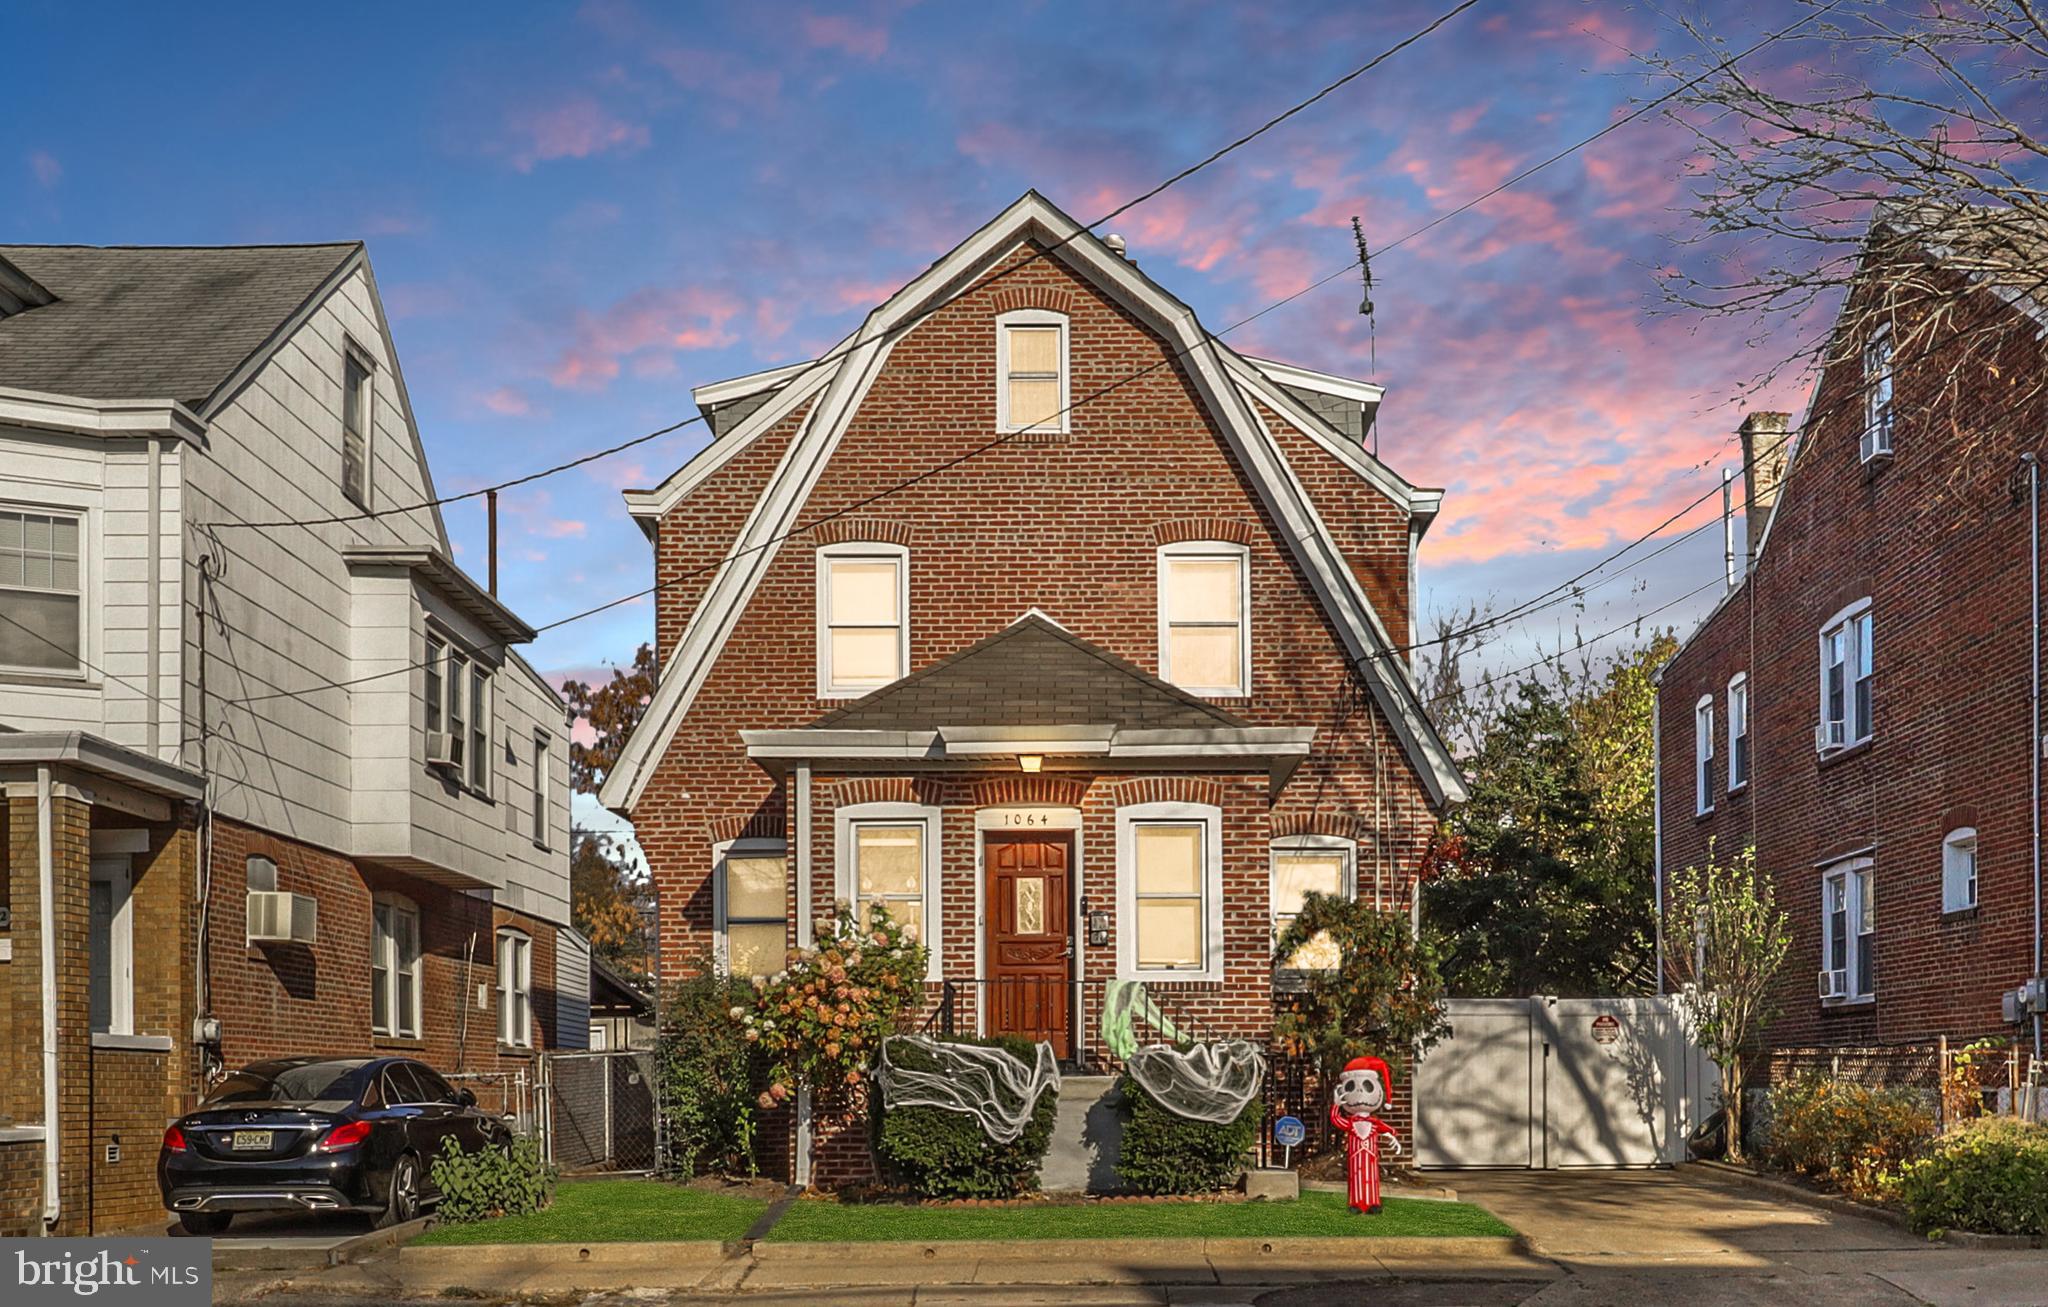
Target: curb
1835, 1203
350, 1251
1987, 1242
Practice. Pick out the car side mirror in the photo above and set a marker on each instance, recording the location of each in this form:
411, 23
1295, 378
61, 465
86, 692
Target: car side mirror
466, 1097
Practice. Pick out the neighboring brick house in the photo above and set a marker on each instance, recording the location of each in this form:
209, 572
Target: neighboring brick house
290, 788
1098, 695
1857, 706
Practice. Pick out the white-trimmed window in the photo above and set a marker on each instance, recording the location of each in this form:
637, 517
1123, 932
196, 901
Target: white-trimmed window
1205, 602
863, 618
1031, 371
357, 423
395, 967
1738, 732
1304, 865
479, 750
1703, 754
1959, 870
1848, 929
542, 791
515, 988
888, 854
1846, 711
1877, 393
750, 903
42, 592
1170, 891
111, 957
458, 713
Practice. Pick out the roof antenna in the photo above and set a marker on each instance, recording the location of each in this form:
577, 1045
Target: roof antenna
1365, 303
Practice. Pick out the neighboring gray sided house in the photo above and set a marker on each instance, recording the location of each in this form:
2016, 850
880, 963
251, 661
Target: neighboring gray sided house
270, 790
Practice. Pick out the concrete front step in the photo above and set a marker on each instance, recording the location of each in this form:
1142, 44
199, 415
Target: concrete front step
1082, 1155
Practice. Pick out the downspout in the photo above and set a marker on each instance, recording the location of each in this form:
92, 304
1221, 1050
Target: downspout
805, 932
1657, 818
46, 872
2033, 466
155, 706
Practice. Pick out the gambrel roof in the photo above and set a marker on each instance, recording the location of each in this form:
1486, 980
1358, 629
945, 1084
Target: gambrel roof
1222, 379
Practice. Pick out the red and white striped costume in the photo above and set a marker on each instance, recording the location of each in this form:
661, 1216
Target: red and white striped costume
1362, 1155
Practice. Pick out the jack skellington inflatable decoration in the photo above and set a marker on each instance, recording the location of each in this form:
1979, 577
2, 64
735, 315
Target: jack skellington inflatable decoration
1365, 1087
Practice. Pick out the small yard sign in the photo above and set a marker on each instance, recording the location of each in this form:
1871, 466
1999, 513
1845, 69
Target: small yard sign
1288, 1132
1606, 1028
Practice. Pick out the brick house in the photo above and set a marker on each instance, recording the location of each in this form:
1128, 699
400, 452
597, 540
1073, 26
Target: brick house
269, 791
1095, 699
1857, 705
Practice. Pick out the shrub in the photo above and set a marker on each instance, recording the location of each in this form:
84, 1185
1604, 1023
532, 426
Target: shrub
500, 1180
940, 1154
1844, 1135
819, 1022
705, 1076
1163, 1152
1988, 1175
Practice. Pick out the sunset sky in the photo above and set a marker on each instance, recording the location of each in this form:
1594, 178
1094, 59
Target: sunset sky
576, 213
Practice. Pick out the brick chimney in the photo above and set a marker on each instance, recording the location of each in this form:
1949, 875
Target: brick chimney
1766, 446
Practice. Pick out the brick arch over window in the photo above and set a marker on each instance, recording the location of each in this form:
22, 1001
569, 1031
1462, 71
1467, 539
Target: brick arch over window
762, 824
1958, 816
1187, 530
885, 789
1342, 825
1050, 298
861, 530
1167, 789
1011, 791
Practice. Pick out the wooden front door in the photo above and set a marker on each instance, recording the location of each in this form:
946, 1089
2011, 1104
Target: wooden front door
1030, 942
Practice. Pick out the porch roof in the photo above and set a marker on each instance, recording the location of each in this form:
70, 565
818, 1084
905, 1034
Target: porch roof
101, 756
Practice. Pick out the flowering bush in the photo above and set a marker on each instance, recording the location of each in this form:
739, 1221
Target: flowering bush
1844, 1135
820, 1021
1989, 1175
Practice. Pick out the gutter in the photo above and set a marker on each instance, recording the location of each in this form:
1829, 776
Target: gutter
46, 873
2033, 466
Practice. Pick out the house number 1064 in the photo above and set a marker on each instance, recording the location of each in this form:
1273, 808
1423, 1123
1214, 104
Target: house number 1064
1027, 819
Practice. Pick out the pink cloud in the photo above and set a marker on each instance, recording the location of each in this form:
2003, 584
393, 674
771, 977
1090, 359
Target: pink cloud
847, 35
48, 172
507, 402
719, 73
577, 129
642, 328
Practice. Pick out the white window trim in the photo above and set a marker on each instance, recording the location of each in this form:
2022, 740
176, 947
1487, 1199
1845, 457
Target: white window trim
1953, 841
1030, 318
1347, 886
517, 985
1843, 620
1859, 872
400, 903
721, 943
1703, 755
1876, 439
116, 870
87, 520
1128, 819
844, 883
1242, 555
827, 554
369, 415
1739, 683
543, 790
476, 715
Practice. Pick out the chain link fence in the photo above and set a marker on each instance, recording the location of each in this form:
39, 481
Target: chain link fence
599, 1111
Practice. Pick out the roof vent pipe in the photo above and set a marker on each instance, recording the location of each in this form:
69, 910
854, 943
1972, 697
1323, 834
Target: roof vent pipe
1119, 248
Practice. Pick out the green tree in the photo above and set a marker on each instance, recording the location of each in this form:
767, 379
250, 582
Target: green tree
1739, 939
1383, 997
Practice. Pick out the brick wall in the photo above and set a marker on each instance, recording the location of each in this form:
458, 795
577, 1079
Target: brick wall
1936, 539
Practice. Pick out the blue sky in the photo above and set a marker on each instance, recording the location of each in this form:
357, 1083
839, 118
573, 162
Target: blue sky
577, 212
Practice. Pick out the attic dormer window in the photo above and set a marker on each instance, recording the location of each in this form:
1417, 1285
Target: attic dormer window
356, 425
1031, 371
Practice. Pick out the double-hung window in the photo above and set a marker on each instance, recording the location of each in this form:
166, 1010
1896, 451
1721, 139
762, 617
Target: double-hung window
458, 714
515, 989
479, 751
1304, 865
1738, 732
395, 967
42, 592
1877, 393
888, 858
1204, 618
1170, 891
1703, 754
1959, 870
752, 902
1845, 679
1848, 932
541, 789
863, 618
1031, 371
356, 425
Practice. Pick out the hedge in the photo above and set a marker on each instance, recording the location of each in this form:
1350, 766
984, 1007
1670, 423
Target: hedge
1163, 1152
935, 1153
1989, 1175
1844, 1135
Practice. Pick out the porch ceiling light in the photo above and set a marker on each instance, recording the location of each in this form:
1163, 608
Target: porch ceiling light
1031, 762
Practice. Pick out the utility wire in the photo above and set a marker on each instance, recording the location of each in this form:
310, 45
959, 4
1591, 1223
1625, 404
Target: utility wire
855, 341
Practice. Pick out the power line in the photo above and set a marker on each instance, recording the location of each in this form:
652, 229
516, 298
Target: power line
855, 341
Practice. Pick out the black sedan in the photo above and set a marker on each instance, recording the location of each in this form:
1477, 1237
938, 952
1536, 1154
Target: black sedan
317, 1135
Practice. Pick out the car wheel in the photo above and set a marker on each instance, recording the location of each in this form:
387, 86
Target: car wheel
204, 1222
403, 1202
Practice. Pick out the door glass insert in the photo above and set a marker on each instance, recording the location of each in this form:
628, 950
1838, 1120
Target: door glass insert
1030, 914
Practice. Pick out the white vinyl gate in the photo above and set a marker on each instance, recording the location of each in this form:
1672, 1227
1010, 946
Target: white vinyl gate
1543, 1083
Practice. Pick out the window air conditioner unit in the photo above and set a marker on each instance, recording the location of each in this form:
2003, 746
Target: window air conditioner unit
1834, 984
1830, 735
278, 917
441, 749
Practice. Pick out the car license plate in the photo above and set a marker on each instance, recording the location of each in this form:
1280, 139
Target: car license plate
252, 1140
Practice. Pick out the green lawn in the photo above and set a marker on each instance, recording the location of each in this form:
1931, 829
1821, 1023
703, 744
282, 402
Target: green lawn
825, 1221
614, 1211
